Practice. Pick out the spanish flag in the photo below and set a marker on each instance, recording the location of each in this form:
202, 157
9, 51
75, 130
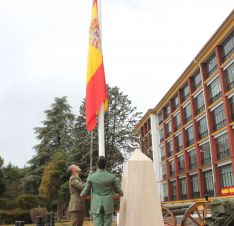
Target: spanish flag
96, 91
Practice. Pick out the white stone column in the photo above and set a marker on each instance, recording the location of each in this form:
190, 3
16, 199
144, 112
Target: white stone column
156, 150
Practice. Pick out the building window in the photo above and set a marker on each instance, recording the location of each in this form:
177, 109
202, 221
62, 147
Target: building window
161, 135
222, 147
215, 90
209, 183
167, 110
164, 171
199, 103
229, 76
175, 102
177, 121
205, 153
179, 142
165, 192
173, 190
219, 117
187, 113
190, 136
181, 164
232, 106
192, 160
228, 46
183, 188
163, 153
169, 148
197, 80
168, 129
160, 118
185, 92
211, 65
226, 176
202, 128
172, 168
195, 186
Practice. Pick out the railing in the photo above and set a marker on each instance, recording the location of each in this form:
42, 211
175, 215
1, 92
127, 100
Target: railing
216, 97
223, 154
219, 125
230, 85
190, 142
200, 109
187, 119
206, 161
193, 165
203, 135
182, 170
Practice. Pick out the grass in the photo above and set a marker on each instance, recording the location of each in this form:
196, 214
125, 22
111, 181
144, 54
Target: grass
67, 223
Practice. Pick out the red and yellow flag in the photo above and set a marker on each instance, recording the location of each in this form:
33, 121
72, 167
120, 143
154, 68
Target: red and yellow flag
96, 91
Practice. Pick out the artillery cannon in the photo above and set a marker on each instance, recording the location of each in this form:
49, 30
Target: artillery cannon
218, 212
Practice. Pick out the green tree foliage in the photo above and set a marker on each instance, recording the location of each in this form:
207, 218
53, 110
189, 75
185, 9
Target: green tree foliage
54, 181
55, 133
2, 179
27, 201
12, 176
30, 183
63, 140
120, 120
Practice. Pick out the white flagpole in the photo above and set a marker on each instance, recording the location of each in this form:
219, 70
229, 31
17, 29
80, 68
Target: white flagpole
101, 128
101, 132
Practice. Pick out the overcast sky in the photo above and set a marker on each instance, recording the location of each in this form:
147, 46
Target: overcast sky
147, 44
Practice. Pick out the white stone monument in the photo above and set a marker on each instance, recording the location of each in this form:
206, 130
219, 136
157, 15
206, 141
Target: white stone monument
140, 204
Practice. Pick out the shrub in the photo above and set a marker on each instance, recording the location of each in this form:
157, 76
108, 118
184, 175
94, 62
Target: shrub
10, 216
6, 204
38, 212
27, 201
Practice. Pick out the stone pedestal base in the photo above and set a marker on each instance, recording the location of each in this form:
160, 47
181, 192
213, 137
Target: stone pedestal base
140, 205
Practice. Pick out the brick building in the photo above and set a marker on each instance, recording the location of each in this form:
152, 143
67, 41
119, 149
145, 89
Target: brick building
190, 133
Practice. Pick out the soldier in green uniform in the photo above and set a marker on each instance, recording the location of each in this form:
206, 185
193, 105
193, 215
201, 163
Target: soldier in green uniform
76, 204
104, 186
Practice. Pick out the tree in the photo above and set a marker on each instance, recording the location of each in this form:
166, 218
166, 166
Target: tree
12, 176
54, 181
120, 120
2, 179
55, 133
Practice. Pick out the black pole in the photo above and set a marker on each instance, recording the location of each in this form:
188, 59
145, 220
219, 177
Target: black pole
19, 223
51, 219
39, 221
47, 219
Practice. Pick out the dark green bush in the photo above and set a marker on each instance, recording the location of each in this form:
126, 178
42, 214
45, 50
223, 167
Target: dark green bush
6, 204
27, 201
11, 216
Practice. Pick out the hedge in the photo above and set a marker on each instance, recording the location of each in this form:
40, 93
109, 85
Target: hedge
27, 201
7, 204
10, 216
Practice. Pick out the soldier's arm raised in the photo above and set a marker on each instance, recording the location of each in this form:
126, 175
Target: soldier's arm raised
87, 189
116, 187
77, 184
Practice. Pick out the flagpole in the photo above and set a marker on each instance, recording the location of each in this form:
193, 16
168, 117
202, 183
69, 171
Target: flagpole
101, 133
101, 128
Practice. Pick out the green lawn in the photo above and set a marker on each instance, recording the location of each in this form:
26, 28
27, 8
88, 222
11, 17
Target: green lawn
86, 223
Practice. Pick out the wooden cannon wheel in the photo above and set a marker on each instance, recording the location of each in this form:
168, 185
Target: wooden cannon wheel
195, 215
169, 218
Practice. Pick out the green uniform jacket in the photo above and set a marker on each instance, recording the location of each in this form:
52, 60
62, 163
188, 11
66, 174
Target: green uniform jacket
76, 202
103, 185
